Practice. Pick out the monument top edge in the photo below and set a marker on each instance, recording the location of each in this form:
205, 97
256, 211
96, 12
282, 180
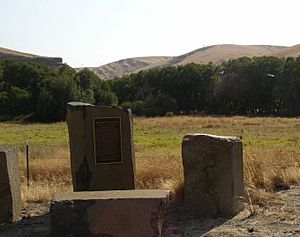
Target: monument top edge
78, 105
211, 136
112, 194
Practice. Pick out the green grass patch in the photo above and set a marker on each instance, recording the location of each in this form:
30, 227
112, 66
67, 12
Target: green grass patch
46, 134
167, 133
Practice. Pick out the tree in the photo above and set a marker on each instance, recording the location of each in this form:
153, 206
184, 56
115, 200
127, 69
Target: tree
103, 95
192, 87
54, 95
288, 87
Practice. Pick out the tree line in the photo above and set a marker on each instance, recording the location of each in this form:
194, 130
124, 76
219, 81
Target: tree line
243, 86
36, 92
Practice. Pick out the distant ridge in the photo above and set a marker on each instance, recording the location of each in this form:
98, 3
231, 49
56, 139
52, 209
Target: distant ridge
214, 53
220, 53
26, 57
293, 51
129, 65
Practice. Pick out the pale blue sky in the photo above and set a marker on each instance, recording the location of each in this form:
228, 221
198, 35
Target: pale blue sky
96, 32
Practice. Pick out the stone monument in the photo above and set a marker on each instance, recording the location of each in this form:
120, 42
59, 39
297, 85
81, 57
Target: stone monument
133, 213
213, 174
10, 193
101, 147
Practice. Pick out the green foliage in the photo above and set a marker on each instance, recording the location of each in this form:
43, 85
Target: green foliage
103, 94
288, 87
245, 86
160, 105
41, 93
138, 107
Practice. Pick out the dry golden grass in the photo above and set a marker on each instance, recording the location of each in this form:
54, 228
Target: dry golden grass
49, 172
160, 169
271, 155
272, 169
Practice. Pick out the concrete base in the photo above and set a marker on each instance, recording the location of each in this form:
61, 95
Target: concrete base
133, 213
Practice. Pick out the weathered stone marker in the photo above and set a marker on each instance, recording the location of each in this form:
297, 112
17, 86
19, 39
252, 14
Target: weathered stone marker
101, 146
10, 193
133, 213
213, 173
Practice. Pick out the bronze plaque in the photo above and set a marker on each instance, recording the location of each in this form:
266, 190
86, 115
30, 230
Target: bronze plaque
107, 140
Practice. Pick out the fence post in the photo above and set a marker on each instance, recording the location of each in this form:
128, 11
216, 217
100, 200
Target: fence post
27, 163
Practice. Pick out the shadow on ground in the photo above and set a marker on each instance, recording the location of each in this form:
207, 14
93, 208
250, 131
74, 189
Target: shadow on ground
279, 218
36, 226
36, 223
181, 223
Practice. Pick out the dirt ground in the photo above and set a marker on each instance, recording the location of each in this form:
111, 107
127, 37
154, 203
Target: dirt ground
279, 219
282, 218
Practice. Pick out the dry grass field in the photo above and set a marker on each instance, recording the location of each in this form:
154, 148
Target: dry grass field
271, 153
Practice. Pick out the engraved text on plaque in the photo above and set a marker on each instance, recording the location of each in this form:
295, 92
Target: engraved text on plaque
107, 140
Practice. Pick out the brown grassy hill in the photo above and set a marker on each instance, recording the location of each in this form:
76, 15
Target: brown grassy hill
9, 52
220, 53
215, 53
293, 51
129, 65
26, 57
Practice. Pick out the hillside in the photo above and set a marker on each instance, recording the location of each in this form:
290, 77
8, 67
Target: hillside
215, 54
129, 65
293, 51
25, 57
220, 53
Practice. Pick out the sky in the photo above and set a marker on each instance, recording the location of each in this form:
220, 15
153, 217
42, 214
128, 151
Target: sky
96, 32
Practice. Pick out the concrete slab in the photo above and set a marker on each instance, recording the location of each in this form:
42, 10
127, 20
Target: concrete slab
133, 213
